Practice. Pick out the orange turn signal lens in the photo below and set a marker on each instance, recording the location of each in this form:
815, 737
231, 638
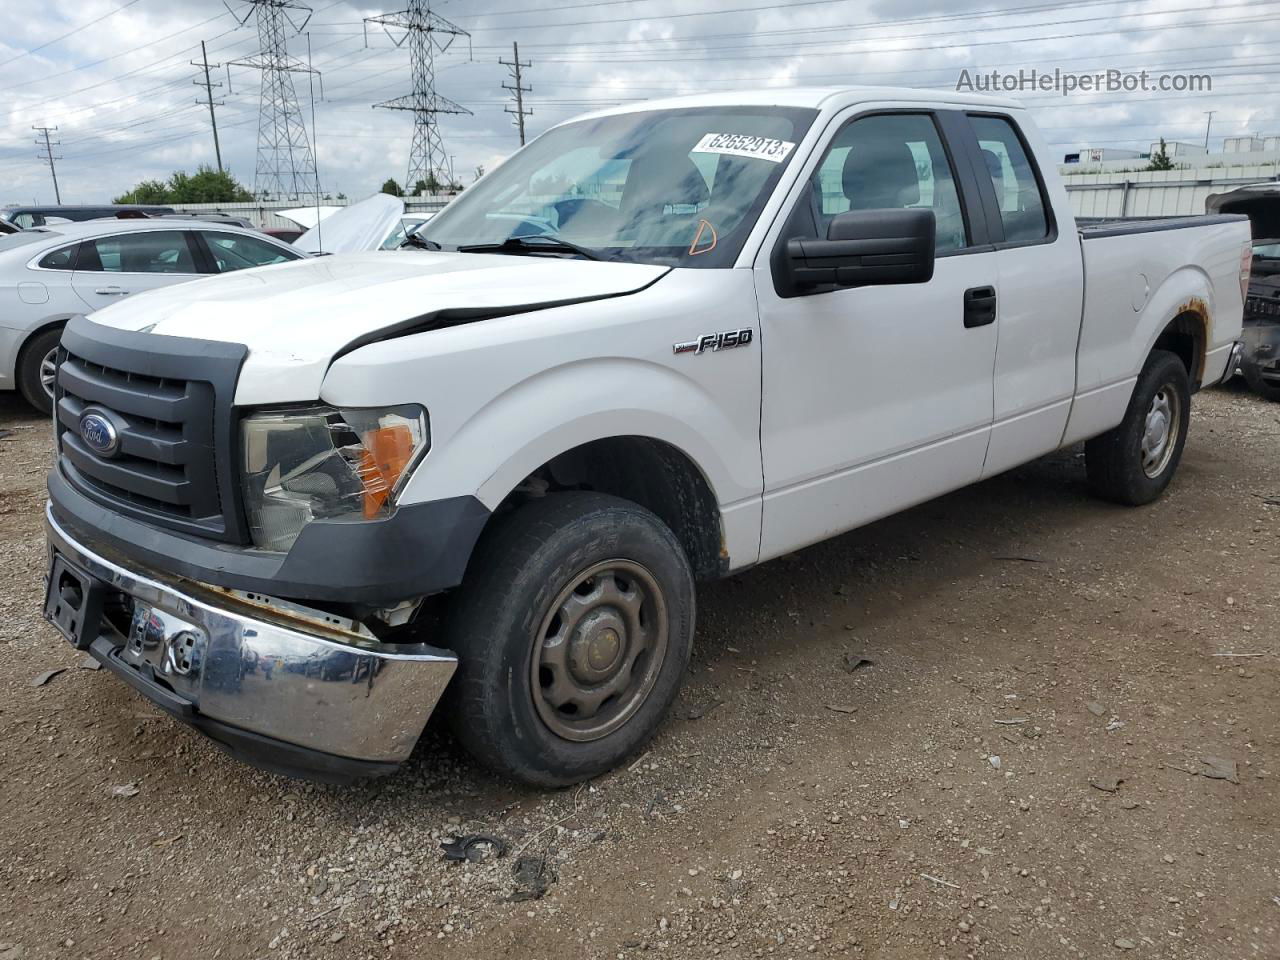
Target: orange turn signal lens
388, 451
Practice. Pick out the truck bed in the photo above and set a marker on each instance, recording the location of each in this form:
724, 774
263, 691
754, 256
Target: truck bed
1136, 283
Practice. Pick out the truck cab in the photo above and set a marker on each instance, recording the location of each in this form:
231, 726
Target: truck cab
300, 506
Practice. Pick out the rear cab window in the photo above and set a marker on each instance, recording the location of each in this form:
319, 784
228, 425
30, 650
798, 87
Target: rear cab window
1009, 167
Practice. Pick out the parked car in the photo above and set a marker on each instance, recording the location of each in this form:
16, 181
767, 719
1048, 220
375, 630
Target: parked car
1260, 363
403, 229
378, 222
375, 223
27, 217
663, 342
50, 274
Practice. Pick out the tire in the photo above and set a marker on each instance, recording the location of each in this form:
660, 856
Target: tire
1263, 388
30, 361
1127, 464
635, 604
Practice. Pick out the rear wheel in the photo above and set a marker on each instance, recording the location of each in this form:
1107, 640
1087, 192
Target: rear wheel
573, 630
36, 369
1133, 463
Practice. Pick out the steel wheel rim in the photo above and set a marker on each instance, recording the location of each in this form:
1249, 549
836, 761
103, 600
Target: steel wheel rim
49, 371
599, 650
1160, 431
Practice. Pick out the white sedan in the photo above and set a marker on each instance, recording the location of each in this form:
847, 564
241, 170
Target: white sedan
50, 274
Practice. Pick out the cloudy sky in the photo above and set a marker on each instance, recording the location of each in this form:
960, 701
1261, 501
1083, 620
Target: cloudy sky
114, 75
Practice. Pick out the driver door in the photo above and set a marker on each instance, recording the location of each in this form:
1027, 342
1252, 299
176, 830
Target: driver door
879, 397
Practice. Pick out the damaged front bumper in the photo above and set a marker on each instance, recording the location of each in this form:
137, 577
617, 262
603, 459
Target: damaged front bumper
287, 693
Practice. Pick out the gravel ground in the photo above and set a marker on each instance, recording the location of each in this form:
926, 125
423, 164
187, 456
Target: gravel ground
1017, 772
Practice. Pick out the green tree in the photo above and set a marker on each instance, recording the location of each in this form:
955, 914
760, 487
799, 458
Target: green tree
392, 188
148, 191
206, 185
1160, 159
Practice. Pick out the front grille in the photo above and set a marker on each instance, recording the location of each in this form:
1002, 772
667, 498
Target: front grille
169, 400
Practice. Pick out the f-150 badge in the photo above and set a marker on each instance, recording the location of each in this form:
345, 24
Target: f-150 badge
716, 341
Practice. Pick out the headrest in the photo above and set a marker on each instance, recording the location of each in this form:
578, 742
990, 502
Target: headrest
881, 174
658, 180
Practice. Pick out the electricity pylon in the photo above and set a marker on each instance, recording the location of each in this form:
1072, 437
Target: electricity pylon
286, 166
428, 34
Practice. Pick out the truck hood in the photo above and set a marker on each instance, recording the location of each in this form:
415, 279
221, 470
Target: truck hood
296, 317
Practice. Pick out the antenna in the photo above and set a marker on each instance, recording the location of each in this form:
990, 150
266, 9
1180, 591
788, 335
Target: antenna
208, 85
286, 165
49, 158
520, 112
428, 33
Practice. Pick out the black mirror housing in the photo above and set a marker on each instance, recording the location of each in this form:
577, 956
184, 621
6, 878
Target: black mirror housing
866, 248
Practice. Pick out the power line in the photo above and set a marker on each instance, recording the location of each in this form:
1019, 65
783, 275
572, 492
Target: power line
49, 158
208, 85
716, 55
69, 33
824, 28
114, 56
519, 90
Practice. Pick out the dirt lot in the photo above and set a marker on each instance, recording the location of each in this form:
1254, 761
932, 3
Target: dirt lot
1017, 773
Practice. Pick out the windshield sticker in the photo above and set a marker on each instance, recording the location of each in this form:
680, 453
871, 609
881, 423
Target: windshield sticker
742, 145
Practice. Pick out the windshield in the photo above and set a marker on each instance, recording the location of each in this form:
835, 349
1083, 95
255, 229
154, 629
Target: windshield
675, 187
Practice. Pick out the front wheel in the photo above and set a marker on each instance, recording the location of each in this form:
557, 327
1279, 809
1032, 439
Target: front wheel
573, 629
1134, 462
37, 367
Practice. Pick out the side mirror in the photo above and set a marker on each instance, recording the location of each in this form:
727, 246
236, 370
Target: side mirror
866, 248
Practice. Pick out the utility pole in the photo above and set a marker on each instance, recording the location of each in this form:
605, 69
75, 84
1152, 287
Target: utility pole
49, 158
514, 65
208, 85
1207, 125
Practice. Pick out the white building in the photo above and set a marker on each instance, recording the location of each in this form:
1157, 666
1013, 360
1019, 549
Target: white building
1125, 188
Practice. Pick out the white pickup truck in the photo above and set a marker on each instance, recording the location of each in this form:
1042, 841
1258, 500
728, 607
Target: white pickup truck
299, 506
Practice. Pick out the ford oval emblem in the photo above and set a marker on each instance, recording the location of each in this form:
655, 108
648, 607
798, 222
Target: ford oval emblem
99, 434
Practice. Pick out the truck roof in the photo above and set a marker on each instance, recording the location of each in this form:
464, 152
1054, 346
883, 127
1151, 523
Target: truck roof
814, 97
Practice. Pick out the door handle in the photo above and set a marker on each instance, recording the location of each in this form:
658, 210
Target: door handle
979, 306
112, 292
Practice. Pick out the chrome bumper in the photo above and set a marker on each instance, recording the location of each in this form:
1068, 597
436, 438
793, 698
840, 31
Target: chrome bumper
1233, 361
246, 674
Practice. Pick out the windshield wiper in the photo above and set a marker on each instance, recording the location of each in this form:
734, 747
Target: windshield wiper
526, 244
422, 243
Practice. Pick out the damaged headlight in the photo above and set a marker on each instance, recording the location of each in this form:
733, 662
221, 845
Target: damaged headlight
319, 463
